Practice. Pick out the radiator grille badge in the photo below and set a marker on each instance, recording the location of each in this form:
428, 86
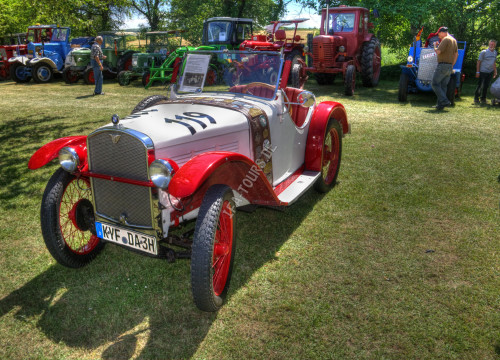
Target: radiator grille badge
115, 138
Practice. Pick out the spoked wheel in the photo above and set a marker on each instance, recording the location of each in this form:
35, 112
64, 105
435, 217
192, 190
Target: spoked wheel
67, 218
330, 157
213, 248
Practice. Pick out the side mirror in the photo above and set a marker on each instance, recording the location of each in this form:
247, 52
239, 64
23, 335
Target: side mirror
306, 99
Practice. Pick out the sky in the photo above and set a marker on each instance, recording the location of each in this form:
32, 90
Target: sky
294, 11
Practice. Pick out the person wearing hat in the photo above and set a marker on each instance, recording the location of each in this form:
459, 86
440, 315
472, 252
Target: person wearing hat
447, 54
486, 70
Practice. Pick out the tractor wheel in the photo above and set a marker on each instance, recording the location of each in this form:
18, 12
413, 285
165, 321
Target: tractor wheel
42, 73
403, 87
148, 102
70, 77
125, 62
232, 77
18, 73
297, 76
350, 80
370, 62
145, 78
450, 91
123, 78
330, 157
213, 248
88, 76
67, 218
294, 56
211, 78
324, 78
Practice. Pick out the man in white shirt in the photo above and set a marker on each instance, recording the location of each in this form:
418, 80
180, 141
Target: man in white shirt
486, 70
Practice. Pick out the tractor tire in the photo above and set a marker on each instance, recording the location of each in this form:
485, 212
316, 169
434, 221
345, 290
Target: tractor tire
370, 62
450, 91
70, 77
324, 78
403, 87
145, 78
125, 62
88, 76
18, 73
294, 57
123, 78
42, 73
350, 80
148, 102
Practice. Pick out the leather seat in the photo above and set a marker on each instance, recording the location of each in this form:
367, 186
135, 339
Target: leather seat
297, 112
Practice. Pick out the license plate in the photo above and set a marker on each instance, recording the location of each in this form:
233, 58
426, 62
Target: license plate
125, 237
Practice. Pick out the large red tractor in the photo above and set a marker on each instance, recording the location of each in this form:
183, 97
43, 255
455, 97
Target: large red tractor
11, 46
345, 46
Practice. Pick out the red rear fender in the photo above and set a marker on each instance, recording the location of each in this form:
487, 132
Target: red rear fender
50, 151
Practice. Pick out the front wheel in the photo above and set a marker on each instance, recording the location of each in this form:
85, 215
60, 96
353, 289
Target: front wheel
213, 248
350, 80
403, 87
330, 157
42, 73
70, 77
123, 78
67, 218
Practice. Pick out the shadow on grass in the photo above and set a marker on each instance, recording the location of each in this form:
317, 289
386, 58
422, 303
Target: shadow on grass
126, 303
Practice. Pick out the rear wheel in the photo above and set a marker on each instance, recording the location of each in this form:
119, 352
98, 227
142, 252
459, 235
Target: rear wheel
148, 102
42, 73
213, 248
330, 157
125, 62
371, 62
19, 74
403, 87
67, 218
88, 76
350, 80
70, 77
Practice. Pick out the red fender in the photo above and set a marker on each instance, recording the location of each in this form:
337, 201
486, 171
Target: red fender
50, 151
221, 167
322, 114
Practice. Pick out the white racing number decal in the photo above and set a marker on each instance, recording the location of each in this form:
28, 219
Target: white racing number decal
191, 116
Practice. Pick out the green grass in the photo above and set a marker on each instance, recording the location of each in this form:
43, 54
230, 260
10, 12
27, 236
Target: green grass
399, 261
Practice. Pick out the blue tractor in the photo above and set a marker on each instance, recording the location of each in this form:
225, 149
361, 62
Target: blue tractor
47, 49
416, 75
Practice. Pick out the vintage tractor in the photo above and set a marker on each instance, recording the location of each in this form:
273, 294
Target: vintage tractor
416, 75
345, 46
12, 45
118, 58
226, 33
157, 50
47, 50
293, 49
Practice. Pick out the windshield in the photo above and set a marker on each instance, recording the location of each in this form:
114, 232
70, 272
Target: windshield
343, 22
60, 35
237, 72
219, 31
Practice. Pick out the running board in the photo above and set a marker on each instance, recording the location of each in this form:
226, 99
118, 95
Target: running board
299, 186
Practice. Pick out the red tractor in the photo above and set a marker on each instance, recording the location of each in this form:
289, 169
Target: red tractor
276, 40
345, 46
11, 46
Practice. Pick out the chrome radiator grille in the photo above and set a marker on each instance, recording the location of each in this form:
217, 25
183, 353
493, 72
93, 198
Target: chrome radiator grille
119, 153
427, 64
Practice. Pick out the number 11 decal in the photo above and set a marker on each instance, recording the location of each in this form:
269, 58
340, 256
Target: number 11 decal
191, 116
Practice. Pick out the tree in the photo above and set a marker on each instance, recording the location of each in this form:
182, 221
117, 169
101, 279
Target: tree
153, 10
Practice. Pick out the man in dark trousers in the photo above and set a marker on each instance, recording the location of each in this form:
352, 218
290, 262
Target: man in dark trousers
447, 54
486, 70
96, 58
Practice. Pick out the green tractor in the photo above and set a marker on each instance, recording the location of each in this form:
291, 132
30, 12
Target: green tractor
118, 58
158, 47
219, 33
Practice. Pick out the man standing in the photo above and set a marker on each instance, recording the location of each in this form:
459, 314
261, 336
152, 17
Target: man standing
486, 70
96, 58
447, 54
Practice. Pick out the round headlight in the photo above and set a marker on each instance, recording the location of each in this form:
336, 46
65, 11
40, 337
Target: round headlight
68, 158
410, 59
160, 172
342, 48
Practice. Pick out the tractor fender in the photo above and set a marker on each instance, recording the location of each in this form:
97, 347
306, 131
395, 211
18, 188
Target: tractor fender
368, 37
50, 151
322, 114
20, 59
223, 167
46, 60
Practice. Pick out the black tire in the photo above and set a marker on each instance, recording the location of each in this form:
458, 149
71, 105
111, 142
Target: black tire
145, 78
123, 78
16, 72
403, 87
330, 161
42, 73
125, 62
294, 57
371, 59
88, 76
70, 77
148, 102
324, 78
310, 38
232, 77
350, 80
67, 218
450, 90
213, 246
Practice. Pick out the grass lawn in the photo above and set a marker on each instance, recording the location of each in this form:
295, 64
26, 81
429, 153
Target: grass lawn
399, 261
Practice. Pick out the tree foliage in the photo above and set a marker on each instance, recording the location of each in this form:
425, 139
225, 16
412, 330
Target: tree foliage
153, 10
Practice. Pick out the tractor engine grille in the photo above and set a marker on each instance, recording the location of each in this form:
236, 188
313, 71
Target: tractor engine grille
119, 153
323, 51
427, 64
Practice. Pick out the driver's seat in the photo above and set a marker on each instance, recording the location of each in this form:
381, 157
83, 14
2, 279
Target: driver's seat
298, 113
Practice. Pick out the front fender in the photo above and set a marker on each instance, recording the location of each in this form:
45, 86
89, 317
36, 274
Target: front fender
20, 59
46, 60
322, 114
221, 167
50, 151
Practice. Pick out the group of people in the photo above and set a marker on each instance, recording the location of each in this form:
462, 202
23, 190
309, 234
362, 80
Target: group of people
447, 54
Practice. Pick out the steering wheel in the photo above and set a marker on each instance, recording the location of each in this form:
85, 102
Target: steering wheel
248, 87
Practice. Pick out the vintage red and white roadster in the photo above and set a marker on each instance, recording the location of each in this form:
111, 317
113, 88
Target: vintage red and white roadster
197, 156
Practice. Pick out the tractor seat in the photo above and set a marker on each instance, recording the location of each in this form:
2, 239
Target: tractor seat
280, 37
298, 113
256, 90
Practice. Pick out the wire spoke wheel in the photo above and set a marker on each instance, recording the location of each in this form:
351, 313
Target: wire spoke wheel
330, 157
